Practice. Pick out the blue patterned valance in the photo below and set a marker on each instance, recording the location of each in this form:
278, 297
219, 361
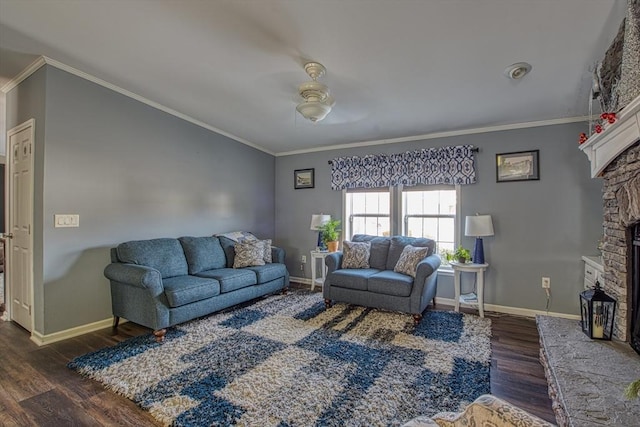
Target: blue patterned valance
429, 166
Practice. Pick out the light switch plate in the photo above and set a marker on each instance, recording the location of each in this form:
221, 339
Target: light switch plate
66, 220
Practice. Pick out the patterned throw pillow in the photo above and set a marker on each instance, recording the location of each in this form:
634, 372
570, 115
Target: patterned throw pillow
267, 251
356, 254
409, 260
249, 254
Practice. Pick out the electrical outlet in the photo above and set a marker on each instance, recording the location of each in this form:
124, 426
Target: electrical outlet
546, 283
303, 258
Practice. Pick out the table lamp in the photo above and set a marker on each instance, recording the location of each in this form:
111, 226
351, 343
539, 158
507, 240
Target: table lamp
317, 221
478, 226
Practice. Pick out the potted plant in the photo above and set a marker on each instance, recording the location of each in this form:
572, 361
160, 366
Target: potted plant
331, 234
462, 255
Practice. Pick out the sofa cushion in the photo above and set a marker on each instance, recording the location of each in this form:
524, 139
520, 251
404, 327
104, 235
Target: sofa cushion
231, 279
352, 278
409, 260
228, 246
248, 254
355, 254
165, 255
203, 253
379, 249
391, 283
268, 272
183, 290
399, 242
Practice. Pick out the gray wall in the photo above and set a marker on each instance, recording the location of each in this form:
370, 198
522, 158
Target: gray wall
542, 227
131, 172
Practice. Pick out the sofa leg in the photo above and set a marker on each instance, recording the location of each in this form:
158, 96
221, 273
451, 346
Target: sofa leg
116, 320
327, 303
159, 334
417, 318
434, 302
284, 291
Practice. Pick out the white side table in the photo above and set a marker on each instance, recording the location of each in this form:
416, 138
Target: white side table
315, 256
479, 269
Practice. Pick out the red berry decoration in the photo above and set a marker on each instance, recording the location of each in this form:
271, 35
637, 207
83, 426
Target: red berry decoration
598, 129
604, 116
583, 138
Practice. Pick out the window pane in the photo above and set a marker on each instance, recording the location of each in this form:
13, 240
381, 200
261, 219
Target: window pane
368, 213
431, 214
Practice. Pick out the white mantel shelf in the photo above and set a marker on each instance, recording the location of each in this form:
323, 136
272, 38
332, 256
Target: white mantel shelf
603, 148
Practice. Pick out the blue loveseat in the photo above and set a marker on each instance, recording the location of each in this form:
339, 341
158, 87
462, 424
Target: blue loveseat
379, 286
163, 282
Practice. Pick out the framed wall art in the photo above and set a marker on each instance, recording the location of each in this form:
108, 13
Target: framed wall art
518, 166
303, 178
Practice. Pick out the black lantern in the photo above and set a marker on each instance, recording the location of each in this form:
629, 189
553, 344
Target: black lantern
597, 311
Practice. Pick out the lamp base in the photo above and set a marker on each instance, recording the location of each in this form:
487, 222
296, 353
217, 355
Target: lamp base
321, 246
478, 251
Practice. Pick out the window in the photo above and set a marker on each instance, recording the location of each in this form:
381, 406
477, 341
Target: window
431, 214
426, 211
367, 212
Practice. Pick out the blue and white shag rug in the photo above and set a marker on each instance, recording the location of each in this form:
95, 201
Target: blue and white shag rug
286, 361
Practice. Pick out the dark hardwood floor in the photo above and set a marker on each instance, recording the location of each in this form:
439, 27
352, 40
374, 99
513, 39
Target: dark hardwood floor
37, 389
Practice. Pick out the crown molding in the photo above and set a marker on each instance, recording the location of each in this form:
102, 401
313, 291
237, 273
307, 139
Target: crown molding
34, 66
435, 135
30, 69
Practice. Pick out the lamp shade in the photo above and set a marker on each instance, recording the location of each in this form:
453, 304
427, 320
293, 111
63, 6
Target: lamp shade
317, 220
478, 226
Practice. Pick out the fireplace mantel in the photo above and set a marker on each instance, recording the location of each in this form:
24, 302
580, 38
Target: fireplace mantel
603, 148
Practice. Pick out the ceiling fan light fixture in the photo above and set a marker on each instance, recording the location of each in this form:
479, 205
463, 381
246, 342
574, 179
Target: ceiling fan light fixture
314, 111
317, 101
517, 71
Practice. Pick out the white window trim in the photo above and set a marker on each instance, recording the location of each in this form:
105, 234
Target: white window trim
396, 219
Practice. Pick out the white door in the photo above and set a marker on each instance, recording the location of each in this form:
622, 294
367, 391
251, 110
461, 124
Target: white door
19, 255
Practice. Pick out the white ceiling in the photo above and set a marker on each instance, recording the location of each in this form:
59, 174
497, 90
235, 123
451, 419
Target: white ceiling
396, 68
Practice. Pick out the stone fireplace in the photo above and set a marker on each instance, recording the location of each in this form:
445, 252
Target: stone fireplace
621, 196
615, 156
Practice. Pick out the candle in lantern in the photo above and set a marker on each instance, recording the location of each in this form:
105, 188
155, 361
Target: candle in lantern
598, 321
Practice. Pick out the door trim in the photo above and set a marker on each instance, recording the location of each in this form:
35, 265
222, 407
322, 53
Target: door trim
31, 123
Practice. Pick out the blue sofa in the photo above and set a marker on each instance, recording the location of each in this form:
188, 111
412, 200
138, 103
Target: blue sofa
163, 282
379, 286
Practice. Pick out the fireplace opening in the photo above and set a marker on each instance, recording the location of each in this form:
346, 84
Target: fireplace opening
635, 288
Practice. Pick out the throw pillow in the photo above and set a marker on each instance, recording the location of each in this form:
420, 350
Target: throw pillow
409, 260
267, 251
249, 254
356, 254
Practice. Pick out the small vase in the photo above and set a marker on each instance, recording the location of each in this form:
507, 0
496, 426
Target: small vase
462, 260
332, 246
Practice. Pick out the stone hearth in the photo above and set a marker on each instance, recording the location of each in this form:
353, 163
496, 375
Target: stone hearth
587, 378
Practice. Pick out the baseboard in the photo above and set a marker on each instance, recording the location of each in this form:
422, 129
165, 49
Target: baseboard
41, 339
302, 280
527, 312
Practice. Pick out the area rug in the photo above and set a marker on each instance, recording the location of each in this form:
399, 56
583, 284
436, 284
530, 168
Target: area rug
286, 361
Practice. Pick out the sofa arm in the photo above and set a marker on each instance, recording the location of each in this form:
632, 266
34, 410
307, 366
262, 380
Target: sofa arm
277, 254
136, 275
333, 261
427, 267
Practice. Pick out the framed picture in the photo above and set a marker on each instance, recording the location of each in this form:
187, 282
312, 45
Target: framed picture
303, 178
519, 166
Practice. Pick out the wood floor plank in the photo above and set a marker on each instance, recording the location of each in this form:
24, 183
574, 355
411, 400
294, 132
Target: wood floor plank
54, 409
11, 413
20, 380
